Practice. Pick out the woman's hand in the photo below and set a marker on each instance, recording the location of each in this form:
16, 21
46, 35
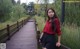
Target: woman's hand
58, 44
40, 37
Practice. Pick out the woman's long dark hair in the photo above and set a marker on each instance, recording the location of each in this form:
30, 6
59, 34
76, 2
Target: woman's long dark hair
52, 19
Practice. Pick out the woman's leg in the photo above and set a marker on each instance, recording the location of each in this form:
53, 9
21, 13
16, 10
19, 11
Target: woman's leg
51, 42
48, 42
43, 41
50, 46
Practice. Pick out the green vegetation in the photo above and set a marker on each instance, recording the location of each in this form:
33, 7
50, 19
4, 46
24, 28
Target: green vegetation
71, 28
11, 12
5, 9
3, 25
40, 21
72, 15
71, 36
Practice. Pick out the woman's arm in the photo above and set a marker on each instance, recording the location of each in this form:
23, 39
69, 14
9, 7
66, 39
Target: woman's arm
59, 38
58, 44
58, 30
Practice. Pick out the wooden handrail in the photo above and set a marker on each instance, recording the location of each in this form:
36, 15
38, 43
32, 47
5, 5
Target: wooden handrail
10, 30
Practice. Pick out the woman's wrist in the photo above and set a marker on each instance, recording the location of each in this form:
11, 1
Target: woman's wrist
58, 41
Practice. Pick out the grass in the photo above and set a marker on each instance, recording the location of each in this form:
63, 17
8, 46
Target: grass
70, 33
3, 25
70, 36
41, 22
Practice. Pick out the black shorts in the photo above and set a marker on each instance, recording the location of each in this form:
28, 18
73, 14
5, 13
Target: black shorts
48, 41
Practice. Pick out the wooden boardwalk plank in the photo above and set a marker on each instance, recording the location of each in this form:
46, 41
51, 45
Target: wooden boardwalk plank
25, 38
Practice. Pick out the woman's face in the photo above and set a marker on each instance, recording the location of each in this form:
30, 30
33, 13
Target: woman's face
50, 13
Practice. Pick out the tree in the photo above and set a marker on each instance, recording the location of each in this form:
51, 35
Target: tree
5, 9
18, 2
17, 12
13, 1
9, 11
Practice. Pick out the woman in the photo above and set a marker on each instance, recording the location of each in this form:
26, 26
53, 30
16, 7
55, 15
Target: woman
52, 27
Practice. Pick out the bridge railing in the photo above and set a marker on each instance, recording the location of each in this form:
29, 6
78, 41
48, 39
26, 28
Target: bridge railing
10, 30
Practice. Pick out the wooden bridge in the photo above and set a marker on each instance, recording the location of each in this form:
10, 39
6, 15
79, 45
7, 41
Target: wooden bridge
25, 38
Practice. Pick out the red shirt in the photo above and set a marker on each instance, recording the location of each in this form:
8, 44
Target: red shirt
48, 28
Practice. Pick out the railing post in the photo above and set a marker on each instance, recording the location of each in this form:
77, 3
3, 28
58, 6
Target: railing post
17, 25
8, 31
22, 23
